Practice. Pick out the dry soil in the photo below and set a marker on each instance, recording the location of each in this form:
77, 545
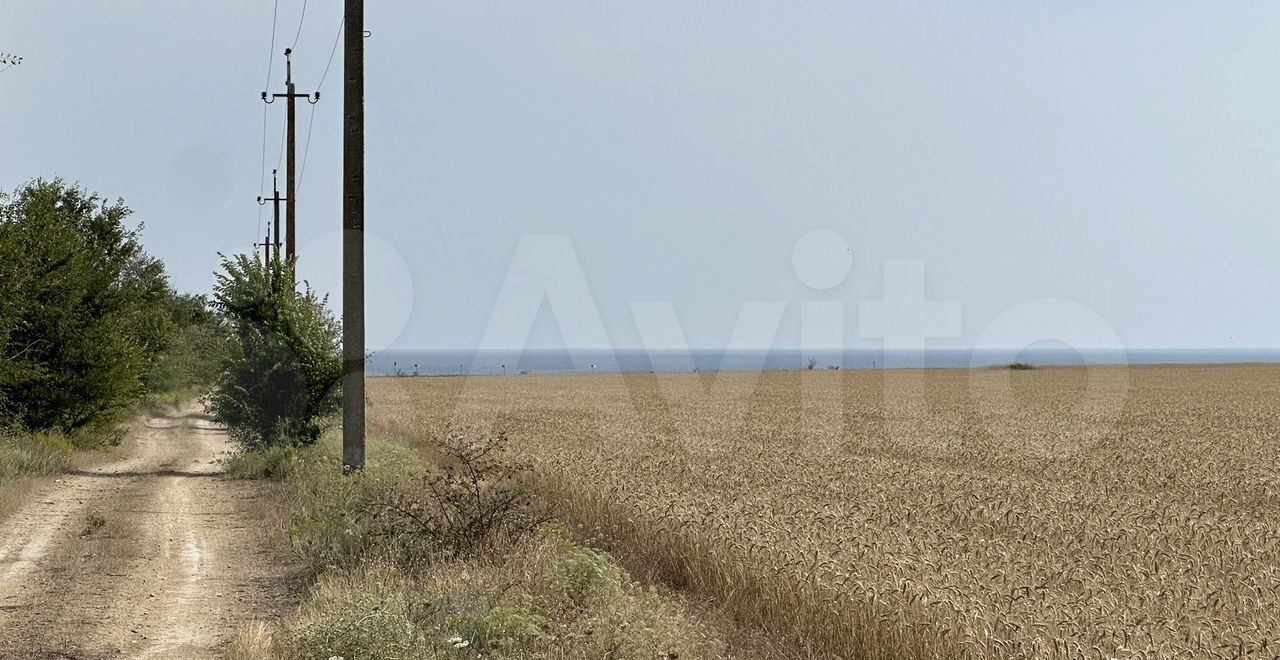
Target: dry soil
152, 555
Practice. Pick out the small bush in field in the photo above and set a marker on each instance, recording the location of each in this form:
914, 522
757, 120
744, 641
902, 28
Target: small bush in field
475, 501
583, 570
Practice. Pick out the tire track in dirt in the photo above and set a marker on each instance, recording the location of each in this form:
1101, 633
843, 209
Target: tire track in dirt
178, 566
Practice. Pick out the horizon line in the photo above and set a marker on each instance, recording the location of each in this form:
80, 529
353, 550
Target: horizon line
826, 348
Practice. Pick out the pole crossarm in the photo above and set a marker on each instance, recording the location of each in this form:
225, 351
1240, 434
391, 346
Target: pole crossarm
270, 98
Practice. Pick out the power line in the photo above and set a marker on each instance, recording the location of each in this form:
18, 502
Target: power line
300, 21
262, 173
336, 39
275, 14
306, 149
284, 132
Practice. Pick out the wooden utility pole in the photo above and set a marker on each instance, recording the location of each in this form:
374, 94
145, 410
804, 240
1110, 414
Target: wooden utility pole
353, 428
266, 247
291, 147
290, 168
275, 198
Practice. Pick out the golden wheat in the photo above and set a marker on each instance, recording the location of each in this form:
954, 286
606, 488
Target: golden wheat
940, 525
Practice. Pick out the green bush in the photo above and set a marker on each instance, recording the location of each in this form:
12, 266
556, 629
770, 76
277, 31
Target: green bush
280, 378
583, 570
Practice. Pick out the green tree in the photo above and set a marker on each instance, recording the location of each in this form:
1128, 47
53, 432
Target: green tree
281, 377
83, 319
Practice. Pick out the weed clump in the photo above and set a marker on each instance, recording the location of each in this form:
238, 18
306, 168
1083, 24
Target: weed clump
93, 522
273, 463
505, 627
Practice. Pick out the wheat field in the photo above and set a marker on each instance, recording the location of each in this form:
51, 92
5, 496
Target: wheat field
1046, 513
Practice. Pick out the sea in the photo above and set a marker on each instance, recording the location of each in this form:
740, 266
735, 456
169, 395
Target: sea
543, 361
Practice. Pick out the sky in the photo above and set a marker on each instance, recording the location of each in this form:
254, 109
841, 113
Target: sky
701, 163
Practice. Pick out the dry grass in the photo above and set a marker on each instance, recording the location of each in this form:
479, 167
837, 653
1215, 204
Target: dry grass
953, 524
30, 460
24, 459
254, 641
13, 493
383, 590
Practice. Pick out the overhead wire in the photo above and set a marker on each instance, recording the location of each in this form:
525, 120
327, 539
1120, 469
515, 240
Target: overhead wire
301, 19
311, 118
271, 57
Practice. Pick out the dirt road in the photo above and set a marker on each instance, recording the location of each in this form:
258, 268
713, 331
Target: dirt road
151, 556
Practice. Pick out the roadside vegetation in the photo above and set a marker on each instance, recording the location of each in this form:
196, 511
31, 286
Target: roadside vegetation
408, 561
90, 329
34, 454
411, 558
280, 380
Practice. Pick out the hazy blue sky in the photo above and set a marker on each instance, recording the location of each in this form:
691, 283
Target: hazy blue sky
1123, 155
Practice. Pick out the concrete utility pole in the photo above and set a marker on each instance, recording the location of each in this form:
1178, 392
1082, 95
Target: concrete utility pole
275, 198
291, 125
353, 240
